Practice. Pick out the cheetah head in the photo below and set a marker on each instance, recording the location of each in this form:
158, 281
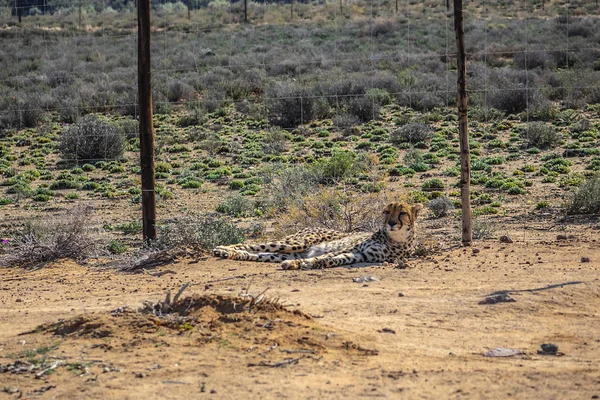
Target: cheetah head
400, 221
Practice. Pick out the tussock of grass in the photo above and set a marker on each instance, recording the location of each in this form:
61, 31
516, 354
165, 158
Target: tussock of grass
41, 242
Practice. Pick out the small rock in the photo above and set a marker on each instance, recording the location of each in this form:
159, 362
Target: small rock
475, 251
497, 298
18, 301
388, 330
561, 237
505, 239
140, 375
400, 294
401, 265
502, 352
585, 259
548, 349
362, 279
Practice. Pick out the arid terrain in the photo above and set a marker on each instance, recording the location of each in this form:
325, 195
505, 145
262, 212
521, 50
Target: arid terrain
418, 332
310, 114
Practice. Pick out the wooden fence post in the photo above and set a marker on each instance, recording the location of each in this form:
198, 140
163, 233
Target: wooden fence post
146, 126
465, 154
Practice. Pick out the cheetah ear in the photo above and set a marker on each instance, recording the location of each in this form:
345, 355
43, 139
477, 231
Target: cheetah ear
415, 210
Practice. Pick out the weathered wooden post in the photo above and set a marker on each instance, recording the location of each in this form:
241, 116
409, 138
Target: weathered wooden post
146, 126
465, 155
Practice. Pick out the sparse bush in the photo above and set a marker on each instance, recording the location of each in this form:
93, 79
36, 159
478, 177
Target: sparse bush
91, 139
540, 135
289, 185
510, 101
130, 128
482, 229
534, 59
345, 122
411, 133
441, 206
130, 228
364, 108
586, 200
44, 241
275, 141
206, 231
290, 104
236, 206
333, 209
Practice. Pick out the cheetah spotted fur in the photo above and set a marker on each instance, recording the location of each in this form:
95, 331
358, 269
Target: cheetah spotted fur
324, 248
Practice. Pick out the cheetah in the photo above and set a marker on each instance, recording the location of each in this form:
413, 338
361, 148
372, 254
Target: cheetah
316, 248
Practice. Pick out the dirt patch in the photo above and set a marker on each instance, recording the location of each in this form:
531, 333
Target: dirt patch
426, 321
237, 323
255, 331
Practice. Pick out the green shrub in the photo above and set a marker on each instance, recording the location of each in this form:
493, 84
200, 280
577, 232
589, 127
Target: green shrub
401, 170
64, 184
341, 165
541, 205
163, 167
116, 247
41, 197
434, 183
236, 185
130, 228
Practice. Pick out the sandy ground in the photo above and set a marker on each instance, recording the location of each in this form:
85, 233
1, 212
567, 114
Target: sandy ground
425, 323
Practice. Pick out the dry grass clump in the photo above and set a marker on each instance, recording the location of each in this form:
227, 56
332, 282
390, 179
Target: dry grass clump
41, 242
586, 200
334, 209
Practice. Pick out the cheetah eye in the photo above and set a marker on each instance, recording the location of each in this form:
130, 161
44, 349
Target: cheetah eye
403, 213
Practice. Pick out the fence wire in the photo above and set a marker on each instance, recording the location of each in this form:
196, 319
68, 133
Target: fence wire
217, 78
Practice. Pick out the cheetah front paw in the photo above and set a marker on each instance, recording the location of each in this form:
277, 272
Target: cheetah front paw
296, 264
290, 264
222, 252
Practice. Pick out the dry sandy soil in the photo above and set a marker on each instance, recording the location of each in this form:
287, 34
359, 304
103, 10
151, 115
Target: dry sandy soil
418, 332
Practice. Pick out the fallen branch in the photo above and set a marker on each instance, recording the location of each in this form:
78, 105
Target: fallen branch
180, 292
45, 371
301, 351
158, 274
287, 361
